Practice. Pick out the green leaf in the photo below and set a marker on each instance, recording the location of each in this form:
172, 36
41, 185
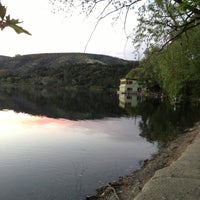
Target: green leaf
2, 11
13, 24
19, 29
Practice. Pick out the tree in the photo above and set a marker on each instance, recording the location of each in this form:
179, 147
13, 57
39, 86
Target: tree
160, 21
163, 21
176, 68
7, 21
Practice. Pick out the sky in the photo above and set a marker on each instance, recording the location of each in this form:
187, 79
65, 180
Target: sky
57, 32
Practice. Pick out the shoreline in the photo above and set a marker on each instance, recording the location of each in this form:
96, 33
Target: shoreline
129, 186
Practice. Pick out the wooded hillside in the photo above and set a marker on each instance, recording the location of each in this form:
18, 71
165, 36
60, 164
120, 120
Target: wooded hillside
64, 70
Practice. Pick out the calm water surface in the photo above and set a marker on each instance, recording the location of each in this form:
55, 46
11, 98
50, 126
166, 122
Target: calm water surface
53, 148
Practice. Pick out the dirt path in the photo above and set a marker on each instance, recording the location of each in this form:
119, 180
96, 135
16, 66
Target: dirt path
126, 188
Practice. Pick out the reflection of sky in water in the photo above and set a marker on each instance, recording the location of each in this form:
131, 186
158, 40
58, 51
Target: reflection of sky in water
43, 158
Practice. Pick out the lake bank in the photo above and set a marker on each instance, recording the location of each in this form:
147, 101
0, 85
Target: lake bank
129, 186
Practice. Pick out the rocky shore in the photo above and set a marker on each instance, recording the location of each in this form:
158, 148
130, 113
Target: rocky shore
126, 188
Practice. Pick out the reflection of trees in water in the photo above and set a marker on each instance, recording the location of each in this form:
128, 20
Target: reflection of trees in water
62, 104
161, 122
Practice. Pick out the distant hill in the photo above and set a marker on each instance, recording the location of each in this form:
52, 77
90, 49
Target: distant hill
64, 69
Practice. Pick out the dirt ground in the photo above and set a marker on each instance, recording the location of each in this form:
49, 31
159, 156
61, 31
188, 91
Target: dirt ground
126, 188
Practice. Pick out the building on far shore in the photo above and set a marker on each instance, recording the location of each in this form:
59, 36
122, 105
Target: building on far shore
129, 86
131, 90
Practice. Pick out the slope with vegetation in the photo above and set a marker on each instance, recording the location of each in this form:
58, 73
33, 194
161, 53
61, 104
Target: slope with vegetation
61, 70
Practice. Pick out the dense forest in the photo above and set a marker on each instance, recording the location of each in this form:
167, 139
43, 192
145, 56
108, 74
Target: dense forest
63, 70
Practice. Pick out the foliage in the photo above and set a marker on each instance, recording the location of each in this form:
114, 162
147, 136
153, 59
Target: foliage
7, 21
176, 69
164, 21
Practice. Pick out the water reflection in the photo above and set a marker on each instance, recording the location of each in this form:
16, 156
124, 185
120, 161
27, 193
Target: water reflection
128, 100
160, 120
64, 144
45, 158
78, 104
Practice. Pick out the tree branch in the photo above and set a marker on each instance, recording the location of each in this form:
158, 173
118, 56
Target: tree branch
189, 7
184, 30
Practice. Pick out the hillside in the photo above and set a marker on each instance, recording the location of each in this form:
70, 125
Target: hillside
57, 60
64, 70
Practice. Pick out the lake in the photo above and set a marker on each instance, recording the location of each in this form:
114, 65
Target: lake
64, 145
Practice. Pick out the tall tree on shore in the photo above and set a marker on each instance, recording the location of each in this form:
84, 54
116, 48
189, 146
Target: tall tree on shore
176, 68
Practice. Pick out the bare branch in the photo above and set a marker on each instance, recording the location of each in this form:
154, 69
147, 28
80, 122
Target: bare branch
184, 30
125, 18
102, 16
